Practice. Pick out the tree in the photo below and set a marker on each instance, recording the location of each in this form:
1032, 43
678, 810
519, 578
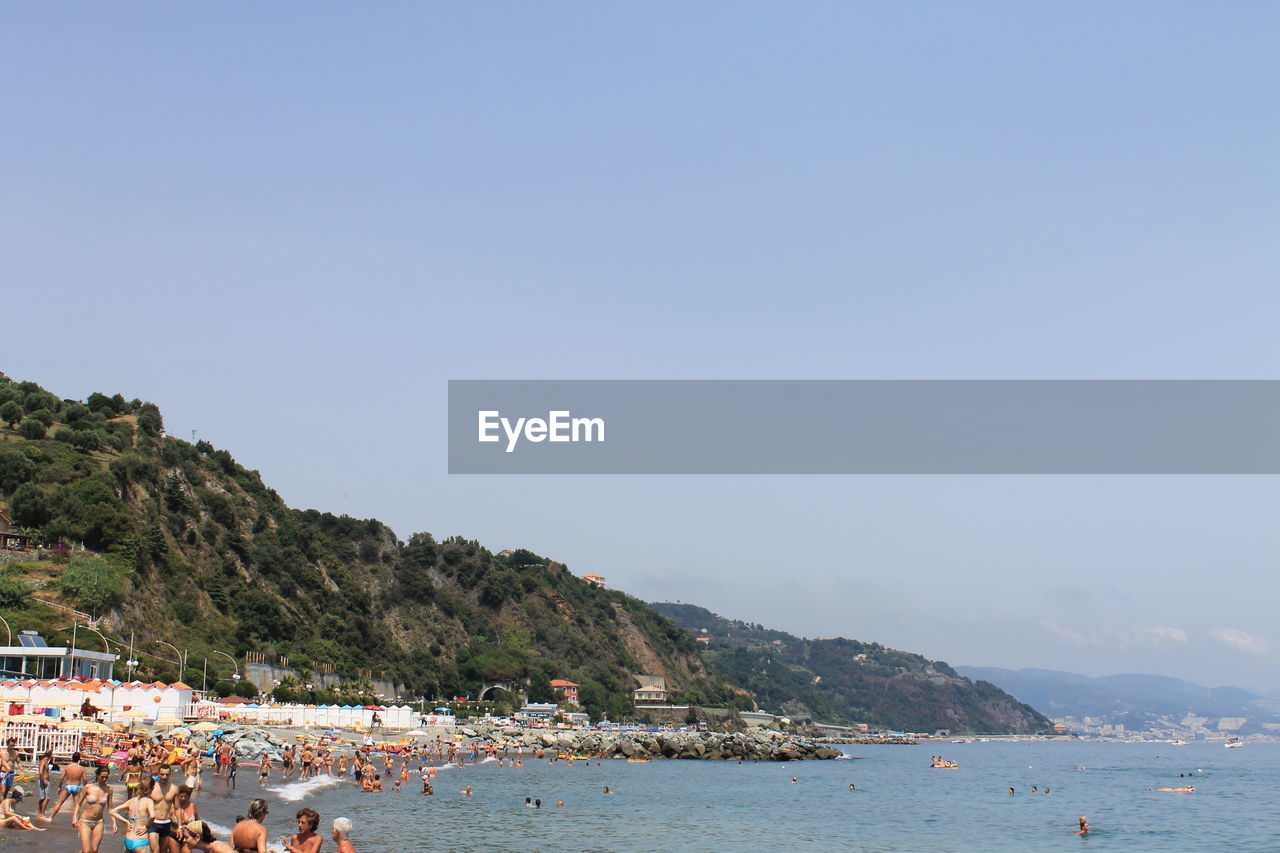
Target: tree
11, 412
149, 421
15, 469
28, 506
44, 416
93, 583
32, 430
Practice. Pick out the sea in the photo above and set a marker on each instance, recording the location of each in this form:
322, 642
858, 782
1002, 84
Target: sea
899, 803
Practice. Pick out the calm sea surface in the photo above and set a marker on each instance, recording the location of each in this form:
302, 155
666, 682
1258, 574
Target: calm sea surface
901, 804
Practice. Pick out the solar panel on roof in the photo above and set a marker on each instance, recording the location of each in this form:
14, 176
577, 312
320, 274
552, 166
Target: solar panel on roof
32, 640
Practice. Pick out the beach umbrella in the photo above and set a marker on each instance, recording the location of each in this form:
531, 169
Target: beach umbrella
417, 733
443, 708
84, 726
167, 722
135, 714
203, 727
180, 731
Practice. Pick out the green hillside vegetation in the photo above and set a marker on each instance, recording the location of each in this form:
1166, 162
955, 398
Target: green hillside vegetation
185, 545
841, 680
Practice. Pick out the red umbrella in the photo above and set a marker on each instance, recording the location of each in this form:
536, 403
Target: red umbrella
374, 708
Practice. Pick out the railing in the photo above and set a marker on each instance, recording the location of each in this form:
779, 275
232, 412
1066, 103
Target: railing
35, 741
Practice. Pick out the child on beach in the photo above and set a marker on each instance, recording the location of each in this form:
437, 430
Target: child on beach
8, 812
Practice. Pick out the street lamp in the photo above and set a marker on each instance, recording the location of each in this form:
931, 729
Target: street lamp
181, 662
235, 665
7, 630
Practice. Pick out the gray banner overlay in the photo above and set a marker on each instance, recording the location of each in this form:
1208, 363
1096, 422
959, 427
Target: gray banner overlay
864, 427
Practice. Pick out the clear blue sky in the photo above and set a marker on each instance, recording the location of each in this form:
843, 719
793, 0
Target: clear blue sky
290, 224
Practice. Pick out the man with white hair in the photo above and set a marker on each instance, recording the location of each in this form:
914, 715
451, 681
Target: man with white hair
342, 835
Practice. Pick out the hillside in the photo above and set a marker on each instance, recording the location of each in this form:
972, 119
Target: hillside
187, 546
843, 680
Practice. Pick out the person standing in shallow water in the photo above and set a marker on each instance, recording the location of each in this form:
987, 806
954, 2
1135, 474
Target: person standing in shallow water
249, 835
306, 839
342, 835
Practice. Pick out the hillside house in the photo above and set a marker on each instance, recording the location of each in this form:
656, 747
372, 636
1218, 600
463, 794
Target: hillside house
594, 580
652, 690
567, 689
10, 538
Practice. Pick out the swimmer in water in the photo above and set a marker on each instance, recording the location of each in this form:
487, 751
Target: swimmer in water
559, 804
466, 792
794, 780
606, 790
1186, 789
1084, 826
1011, 792
851, 787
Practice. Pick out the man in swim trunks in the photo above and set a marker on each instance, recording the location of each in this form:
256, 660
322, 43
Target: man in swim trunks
160, 828
72, 782
43, 771
308, 759
9, 764
191, 767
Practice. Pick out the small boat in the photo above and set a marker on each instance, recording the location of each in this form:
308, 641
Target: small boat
639, 760
1234, 743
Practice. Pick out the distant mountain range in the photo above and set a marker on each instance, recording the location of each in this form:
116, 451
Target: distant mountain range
1136, 701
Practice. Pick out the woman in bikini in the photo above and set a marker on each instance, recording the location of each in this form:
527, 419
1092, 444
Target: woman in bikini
183, 812
90, 808
249, 835
137, 813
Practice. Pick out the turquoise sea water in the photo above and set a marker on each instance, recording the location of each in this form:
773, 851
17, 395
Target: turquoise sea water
901, 804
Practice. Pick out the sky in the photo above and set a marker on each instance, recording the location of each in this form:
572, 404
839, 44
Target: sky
291, 224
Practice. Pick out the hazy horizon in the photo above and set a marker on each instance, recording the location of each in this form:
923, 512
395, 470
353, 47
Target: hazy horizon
290, 226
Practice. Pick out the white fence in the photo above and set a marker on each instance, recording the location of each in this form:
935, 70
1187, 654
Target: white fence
30, 739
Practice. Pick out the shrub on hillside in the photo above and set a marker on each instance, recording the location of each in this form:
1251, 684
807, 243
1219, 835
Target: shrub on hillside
11, 412
13, 594
32, 430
